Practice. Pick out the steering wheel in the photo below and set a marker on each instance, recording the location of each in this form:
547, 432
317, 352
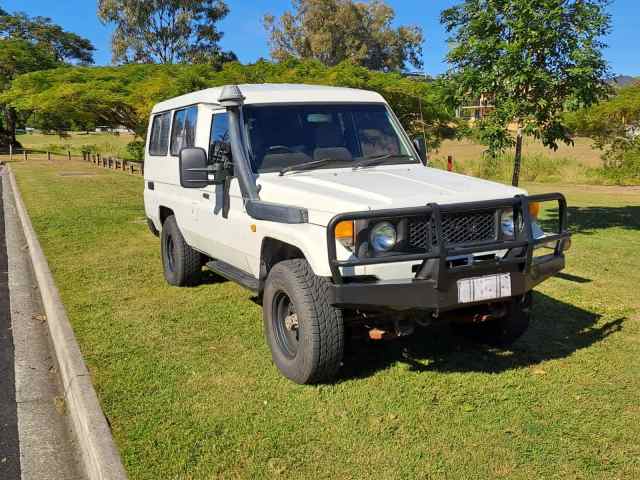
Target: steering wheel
280, 149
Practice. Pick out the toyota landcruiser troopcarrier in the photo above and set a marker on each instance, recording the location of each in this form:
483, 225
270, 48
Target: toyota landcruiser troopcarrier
315, 199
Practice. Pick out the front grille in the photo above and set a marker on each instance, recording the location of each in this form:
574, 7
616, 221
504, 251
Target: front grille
457, 229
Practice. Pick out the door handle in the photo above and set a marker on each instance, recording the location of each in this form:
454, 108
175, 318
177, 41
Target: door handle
205, 195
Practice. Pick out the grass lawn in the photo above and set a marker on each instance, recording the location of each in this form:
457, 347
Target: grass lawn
582, 151
186, 381
105, 143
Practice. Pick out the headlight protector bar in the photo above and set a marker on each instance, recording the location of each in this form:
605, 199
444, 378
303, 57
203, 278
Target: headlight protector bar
434, 264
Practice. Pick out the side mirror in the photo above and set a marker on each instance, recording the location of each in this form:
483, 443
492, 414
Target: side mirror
421, 147
194, 171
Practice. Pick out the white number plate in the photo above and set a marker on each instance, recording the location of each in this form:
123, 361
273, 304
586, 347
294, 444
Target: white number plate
488, 287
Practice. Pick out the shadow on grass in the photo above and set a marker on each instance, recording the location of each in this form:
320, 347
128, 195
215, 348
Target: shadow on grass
586, 219
557, 330
207, 277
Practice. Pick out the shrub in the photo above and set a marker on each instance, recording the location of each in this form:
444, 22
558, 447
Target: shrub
135, 151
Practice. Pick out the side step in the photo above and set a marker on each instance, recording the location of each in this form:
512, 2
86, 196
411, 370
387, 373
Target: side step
234, 274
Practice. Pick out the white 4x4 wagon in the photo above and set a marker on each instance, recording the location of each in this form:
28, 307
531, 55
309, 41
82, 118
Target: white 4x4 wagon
315, 199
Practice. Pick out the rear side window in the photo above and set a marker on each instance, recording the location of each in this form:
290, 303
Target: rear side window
183, 132
159, 141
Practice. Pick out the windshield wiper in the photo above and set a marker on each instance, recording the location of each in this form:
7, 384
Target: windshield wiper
375, 160
311, 165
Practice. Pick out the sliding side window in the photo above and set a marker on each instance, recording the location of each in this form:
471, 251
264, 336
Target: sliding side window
159, 141
183, 132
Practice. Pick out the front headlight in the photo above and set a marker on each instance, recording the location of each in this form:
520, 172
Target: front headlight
508, 227
383, 237
537, 230
506, 224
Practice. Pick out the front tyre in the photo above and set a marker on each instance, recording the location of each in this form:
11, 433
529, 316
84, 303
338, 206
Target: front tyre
304, 332
182, 264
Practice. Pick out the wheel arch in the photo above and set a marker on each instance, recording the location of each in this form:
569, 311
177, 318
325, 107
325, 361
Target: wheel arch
164, 213
273, 251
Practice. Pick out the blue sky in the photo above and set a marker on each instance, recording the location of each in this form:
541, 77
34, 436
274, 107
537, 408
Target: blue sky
245, 35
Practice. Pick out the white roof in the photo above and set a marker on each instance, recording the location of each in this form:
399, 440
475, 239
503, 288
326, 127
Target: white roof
275, 93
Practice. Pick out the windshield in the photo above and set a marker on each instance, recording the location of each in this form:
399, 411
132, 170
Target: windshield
284, 136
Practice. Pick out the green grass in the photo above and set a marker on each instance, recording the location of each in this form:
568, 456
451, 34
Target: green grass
186, 381
104, 143
577, 164
582, 151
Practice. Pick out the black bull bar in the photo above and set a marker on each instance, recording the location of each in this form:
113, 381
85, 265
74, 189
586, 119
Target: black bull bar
434, 285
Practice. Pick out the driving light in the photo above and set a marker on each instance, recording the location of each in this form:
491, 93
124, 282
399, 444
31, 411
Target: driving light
383, 237
344, 233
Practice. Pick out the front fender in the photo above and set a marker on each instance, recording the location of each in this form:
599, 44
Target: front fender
310, 239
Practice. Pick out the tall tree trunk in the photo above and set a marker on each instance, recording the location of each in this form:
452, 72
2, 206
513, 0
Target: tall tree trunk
517, 159
10, 121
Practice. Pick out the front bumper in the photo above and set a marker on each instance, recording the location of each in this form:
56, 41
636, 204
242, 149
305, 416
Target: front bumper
434, 286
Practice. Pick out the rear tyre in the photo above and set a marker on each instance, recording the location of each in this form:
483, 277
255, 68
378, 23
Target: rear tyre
304, 332
503, 331
182, 264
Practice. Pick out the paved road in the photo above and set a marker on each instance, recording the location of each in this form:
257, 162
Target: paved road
35, 436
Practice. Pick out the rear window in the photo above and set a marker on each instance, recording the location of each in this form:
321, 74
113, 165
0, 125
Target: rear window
159, 141
183, 132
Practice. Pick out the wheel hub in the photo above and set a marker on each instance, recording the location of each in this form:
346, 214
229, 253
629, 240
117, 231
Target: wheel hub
286, 324
291, 322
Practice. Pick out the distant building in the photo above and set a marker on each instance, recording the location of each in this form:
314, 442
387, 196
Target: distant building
476, 109
419, 76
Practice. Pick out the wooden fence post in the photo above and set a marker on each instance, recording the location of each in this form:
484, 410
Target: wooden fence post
25, 155
69, 154
49, 156
450, 163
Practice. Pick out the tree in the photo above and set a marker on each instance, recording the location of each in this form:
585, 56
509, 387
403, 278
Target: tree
124, 95
534, 58
333, 31
165, 31
65, 47
614, 125
30, 44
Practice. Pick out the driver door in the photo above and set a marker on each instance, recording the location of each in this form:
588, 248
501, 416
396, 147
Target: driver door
219, 236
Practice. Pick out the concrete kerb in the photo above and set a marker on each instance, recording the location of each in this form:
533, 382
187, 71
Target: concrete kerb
100, 456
